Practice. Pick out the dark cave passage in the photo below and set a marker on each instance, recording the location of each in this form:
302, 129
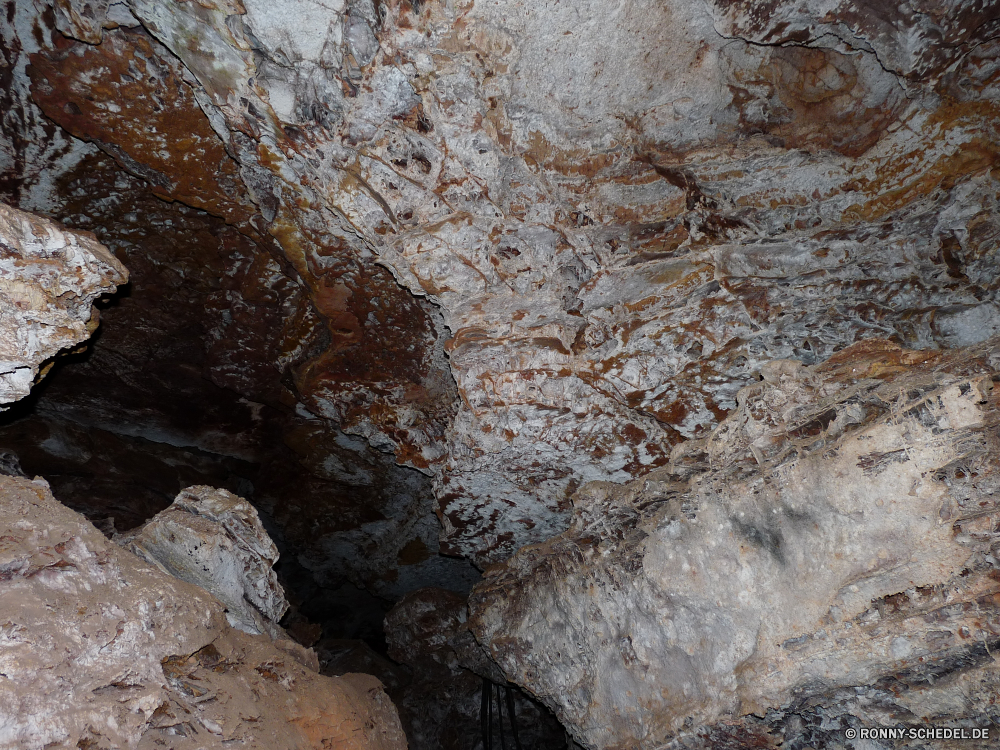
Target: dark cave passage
176, 389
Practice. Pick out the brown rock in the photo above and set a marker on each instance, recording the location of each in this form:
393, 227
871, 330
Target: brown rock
101, 650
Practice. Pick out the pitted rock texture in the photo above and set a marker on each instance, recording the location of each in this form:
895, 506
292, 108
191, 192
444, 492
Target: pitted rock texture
622, 211
49, 280
214, 539
99, 649
223, 364
837, 531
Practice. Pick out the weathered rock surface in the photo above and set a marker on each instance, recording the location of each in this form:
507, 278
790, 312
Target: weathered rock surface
49, 279
214, 539
99, 649
622, 211
602, 220
226, 364
838, 530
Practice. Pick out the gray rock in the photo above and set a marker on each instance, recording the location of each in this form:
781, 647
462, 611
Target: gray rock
837, 530
214, 539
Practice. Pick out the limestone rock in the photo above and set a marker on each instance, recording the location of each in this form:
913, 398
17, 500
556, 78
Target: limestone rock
99, 649
622, 212
614, 214
49, 279
838, 530
214, 539
259, 360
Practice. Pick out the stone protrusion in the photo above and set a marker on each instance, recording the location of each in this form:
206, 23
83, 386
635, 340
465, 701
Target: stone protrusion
214, 539
838, 529
49, 279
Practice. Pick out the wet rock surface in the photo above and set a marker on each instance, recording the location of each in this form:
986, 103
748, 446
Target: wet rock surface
99, 649
836, 533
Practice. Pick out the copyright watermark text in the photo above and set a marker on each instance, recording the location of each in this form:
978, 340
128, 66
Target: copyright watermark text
918, 733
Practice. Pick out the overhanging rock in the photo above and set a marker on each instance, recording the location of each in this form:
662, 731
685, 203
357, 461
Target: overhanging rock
836, 530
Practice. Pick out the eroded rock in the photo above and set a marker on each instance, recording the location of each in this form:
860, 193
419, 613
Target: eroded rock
49, 280
214, 539
99, 649
836, 530
621, 212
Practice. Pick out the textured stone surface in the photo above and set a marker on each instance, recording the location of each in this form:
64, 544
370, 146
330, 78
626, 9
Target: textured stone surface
49, 280
99, 649
214, 539
518, 247
224, 364
622, 212
836, 530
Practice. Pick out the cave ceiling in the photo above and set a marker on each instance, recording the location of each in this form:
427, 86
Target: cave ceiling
676, 318
402, 264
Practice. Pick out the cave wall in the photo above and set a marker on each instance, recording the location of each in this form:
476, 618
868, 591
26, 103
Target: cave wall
102, 649
836, 533
619, 213
220, 364
468, 258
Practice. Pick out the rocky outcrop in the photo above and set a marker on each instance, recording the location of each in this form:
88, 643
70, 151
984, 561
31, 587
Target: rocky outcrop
837, 531
213, 539
99, 649
49, 280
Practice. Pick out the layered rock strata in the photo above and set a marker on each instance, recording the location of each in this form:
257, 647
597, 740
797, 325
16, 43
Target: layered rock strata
49, 279
100, 649
837, 532
214, 539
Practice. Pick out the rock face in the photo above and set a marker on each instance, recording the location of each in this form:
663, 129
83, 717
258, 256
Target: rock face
837, 530
396, 259
225, 363
99, 649
213, 539
621, 211
49, 279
